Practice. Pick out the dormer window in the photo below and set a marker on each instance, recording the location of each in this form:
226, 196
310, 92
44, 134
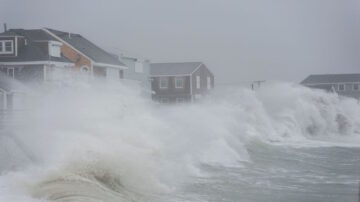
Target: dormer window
6, 47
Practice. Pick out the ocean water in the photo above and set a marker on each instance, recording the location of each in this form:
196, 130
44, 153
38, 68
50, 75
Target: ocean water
107, 142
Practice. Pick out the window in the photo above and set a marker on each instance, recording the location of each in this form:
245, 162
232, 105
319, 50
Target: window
84, 69
6, 47
208, 82
164, 82
198, 82
139, 68
179, 82
121, 74
11, 72
55, 49
341, 87
356, 87
180, 100
164, 100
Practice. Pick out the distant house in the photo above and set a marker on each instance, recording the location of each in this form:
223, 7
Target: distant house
138, 70
343, 84
87, 56
35, 53
30, 54
180, 82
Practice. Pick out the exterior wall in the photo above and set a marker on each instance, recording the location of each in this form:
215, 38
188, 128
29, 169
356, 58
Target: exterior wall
26, 73
348, 92
78, 59
99, 72
142, 77
203, 72
15, 48
171, 93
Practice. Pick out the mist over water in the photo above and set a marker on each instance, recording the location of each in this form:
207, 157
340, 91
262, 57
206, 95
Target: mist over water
95, 141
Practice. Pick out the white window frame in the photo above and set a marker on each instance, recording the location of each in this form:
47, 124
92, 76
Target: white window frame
182, 82
54, 48
358, 86
197, 82
341, 84
84, 69
163, 79
3, 50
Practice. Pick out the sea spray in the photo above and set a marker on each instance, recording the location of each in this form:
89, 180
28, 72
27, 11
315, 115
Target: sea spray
107, 140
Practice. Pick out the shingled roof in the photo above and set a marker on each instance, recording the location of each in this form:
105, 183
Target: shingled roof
87, 48
331, 78
166, 69
31, 52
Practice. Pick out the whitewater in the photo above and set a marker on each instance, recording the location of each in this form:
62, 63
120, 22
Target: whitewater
105, 141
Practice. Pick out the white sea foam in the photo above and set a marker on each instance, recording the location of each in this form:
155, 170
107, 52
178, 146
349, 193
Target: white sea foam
106, 142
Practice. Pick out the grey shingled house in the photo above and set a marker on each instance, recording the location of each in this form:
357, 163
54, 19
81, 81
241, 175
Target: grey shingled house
28, 54
343, 84
180, 82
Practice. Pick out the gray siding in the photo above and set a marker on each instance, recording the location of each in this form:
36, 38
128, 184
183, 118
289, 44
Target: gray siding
26, 73
203, 73
348, 91
171, 93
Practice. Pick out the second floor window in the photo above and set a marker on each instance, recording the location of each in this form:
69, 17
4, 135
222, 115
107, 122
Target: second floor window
179, 82
6, 46
164, 82
341, 87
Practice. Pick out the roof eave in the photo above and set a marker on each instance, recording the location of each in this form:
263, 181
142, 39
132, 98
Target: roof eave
110, 65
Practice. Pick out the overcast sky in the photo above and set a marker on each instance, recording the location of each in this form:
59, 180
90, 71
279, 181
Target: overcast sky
240, 40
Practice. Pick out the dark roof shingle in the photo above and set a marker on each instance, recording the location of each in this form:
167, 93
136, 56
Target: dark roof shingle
163, 69
331, 78
87, 48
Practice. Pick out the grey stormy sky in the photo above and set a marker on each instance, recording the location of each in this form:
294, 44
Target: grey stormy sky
240, 40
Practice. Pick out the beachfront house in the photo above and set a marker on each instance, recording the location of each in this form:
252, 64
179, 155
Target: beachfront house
138, 71
34, 56
180, 82
344, 84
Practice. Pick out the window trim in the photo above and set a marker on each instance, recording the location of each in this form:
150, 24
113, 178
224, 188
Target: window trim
341, 84
182, 82
84, 69
198, 82
167, 82
3, 51
208, 82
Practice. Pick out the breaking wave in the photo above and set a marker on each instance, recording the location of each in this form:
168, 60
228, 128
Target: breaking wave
105, 142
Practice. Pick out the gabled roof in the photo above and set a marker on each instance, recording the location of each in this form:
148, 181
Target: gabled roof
168, 69
32, 51
87, 48
34, 34
331, 78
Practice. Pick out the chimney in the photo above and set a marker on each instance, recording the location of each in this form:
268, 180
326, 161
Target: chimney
5, 27
69, 35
